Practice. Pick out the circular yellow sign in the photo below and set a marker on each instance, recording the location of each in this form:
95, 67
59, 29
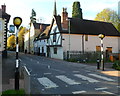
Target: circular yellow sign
17, 21
101, 36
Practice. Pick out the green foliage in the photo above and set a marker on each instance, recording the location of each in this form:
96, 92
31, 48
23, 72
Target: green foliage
33, 16
116, 65
72, 60
13, 92
77, 11
108, 15
11, 42
21, 38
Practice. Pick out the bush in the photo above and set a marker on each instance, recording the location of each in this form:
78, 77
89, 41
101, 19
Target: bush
20, 92
116, 65
72, 60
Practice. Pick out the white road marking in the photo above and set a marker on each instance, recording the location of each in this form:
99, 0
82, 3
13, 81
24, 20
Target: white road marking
48, 66
102, 77
58, 70
107, 92
78, 92
47, 73
86, 78
47, 83
118, 86
38, 62
101, 88
67, 80
75, 71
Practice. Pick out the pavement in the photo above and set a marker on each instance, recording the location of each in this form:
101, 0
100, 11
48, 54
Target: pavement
8, 69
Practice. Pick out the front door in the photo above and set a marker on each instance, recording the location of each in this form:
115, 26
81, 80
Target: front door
48, 51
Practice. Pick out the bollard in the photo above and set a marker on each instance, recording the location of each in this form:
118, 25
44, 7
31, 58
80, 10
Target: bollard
17, 79
98, 64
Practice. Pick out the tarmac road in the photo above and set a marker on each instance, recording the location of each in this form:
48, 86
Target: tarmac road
52, 76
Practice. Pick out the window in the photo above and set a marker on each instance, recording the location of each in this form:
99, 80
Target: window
98, 48
54, 38
55, 50
54, 35
86, 37
109, 49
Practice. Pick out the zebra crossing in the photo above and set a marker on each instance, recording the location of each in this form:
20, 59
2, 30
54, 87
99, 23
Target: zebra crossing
86, 78
67, 80
48, 83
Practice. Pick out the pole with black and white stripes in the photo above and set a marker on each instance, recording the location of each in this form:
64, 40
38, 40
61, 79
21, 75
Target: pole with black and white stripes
17, 22
102, 58
101, 36
17, 64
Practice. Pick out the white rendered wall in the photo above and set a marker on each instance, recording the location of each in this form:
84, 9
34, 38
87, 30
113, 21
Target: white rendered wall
59, 54
75, 42
90, 45
26, 41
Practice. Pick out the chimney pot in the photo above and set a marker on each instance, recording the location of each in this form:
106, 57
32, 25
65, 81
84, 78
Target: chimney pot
4, 8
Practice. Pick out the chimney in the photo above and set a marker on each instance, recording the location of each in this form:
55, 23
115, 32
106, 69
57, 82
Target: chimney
3, 8
64, 20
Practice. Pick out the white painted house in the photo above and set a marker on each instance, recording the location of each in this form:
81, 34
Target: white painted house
73, 34
82, 35
30, 37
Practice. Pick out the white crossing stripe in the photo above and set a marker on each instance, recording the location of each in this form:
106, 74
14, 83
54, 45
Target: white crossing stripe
107, 92
102, 77
47, 73
86, 78
75, 71
78, 92
118, 86
101, 88
47, 83
67, 80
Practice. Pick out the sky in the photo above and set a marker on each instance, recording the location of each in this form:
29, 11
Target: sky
44, 8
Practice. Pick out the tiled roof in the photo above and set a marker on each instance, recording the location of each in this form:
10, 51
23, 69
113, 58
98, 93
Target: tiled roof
90, 27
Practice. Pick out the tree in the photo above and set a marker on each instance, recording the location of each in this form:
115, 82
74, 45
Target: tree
11, 42
108, 15
21, 38
33, 16
77, 11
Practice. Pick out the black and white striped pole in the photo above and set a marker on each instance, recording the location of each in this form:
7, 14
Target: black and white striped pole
101, 36
17, 22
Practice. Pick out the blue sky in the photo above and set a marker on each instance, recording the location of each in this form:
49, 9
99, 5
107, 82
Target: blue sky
44, 8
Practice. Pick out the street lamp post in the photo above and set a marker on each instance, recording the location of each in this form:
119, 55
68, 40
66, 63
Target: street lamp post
17, 22
101, 36
69, 37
